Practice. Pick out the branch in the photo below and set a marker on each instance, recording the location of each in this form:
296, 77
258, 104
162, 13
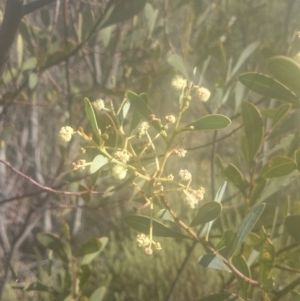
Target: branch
12, 17
35, 5
49, 189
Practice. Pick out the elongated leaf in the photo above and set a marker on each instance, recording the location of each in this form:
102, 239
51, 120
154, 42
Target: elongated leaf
292, 224
227, 237
253, 126
97, 163
267, 86
122, 10
37, 286
286, 71
212, 261
84, 274
243, 57
141, 224
53, 242
98, 294
30, 64
206, 213
297, 158
280, 113
247, 224
177, 62
221, 297
220, 192
233, 174
141, 106
86, 251
125, 109
240, 263
91, 117
267, 256
278, 167
209, 122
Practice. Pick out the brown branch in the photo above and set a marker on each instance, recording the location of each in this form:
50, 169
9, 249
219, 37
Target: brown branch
35, 5
45, 188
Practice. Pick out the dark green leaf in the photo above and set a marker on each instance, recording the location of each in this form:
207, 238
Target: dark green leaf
206, 213
253, 126
141, 106
220, 192
122, 10
165, 215
297, 158
141, 224
209, 122
280, 113
53, 242
221, 297
37, 286
247, 224
93, 245
225, 240
98, 294
278, 167
257, 190
240, 263
286, 71
97, 163
212, 261
177, 62
29, 64
267, 86
233, 174
84, 274
91, 117
292, 224
88, 257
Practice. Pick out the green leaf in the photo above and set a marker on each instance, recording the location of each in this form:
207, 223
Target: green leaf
33, 81
233, 174
141, 106
280, 113
267, 86
257, 189
286, 71
292, 224
253, 126
278, 167
206, 213
122, 10
240, 263
141, 224
177, 62
37, 286
220, 192
53, 242
209, 122
151, 17
97, 163
243, 57
267, 256
20, 50
212, 261
84, 274
221, 297
91, 245
98, 294
297, 158
125, 109
29, 64
165, 215
247, 224
91, 117
227, 237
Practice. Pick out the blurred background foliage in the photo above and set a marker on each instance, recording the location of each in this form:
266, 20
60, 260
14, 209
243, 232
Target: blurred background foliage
60, 56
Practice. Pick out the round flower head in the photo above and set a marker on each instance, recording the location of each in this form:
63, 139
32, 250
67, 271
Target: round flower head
143, 240
122, 155
119, 172
203, 93
185, 175
99, 104
66, 133
170, 119
143, 128
193, 197
179, 82
180, 152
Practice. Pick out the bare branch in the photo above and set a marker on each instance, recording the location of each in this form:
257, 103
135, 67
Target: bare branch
35, 5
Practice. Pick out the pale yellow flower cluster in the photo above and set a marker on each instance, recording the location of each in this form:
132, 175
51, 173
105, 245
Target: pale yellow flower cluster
99, 104
66, 133
179, 83
185, 175
202, 93
192, 197
144, 241
180, 152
